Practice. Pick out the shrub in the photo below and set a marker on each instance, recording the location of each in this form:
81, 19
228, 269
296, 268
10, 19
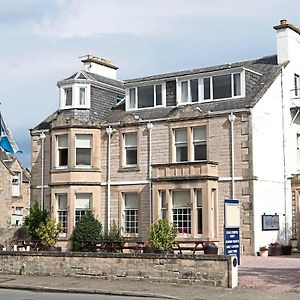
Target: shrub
49, 232
88, 230
162, 235
114, 234
34, 219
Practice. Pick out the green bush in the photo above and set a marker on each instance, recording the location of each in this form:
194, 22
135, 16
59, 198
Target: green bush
34, 219
88, 230
162, 235
48, 233
114, 234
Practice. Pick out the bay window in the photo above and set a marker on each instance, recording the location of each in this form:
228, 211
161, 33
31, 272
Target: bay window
82, 205
62, 150
182, 211
62, 211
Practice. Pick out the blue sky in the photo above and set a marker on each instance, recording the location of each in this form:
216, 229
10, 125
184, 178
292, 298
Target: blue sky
42, 40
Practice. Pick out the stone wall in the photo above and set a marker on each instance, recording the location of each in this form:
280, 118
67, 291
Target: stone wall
204, 270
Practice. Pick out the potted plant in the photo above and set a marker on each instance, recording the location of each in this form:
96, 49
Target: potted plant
263, 251
162, 235
275, 249
48, 234
286, 249
210, 248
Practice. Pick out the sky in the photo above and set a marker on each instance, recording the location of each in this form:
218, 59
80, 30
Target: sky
41, 42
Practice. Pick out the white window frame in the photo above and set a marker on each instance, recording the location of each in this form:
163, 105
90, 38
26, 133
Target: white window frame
83, 211
179, 91
16, 184
61, 214
131, 147
163, 96
178, 144
75, 96
198, 142
136, 212
91, 150
60, 148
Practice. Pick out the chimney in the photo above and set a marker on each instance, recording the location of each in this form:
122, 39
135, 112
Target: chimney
288, 42
99, 66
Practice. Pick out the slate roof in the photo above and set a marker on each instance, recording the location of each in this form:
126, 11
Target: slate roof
256, 86
262, 72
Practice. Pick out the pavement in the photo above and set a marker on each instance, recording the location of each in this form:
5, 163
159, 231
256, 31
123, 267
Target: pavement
259, 278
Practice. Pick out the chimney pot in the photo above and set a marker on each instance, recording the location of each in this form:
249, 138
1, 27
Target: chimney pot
283, 22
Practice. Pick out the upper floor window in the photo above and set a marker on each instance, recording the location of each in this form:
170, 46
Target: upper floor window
68, 96
62, 150
145, 96
16, 184
189, 144
189, 91
130, 148
75, 96
83, 145
222, 86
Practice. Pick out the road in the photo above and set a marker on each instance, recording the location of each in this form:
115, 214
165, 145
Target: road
28, 295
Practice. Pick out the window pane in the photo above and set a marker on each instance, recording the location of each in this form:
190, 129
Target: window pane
206, 83
68, 96
146, 96
83, 156
62, 202
184, 91
194, 90
181, 153
131, 156
62, 141
83, 141
83, 201
131, 200
199, 134
132, 99
181, 199
296, 83
198, 198
180, 135
130, 139
200, 152
222, 86
82, 96
63, 157
237, 84
158, 94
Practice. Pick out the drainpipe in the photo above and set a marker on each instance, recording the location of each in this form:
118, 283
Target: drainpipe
150, 127
42, 138
109, 132
231, 119
284, 158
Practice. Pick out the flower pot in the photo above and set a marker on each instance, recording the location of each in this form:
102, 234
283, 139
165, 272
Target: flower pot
211, 250
275, 251
286, 250
263, 253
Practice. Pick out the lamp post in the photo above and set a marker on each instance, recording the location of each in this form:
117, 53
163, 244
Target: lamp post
42, 138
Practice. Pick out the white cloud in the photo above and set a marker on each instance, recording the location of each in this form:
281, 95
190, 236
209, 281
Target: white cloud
85, 18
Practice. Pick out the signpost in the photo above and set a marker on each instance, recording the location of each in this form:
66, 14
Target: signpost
232, 228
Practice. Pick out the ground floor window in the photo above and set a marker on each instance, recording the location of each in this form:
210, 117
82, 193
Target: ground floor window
182, 211
82, 205
131, 213
62, 211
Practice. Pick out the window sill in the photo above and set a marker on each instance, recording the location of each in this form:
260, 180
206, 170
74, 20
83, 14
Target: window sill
75, 169
129, 169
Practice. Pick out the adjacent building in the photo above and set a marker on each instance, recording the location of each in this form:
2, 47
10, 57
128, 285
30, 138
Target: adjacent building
175, 146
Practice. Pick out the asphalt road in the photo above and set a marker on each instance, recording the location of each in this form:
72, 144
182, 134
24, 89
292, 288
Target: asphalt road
28, 295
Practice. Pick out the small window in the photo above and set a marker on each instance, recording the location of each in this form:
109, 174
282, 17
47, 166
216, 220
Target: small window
62, 211
206, 83
181, 144
19, 211
62, 150
130, 142
16, 184
82, 205
82, 95
189, 91
163, 205
198, 194
83, 144
222, 86
199, 143
68, 97
132, 98
131, 213
237, 84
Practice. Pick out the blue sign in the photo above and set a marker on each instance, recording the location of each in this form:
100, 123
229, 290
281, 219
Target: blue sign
232, 242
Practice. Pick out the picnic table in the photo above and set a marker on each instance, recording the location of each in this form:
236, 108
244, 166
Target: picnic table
189, 245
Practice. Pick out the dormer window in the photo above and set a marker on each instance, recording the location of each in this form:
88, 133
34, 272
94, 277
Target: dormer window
68, 96
76, 95
146, 96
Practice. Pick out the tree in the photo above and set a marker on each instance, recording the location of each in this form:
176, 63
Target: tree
34, 219
87, 231
49, 232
